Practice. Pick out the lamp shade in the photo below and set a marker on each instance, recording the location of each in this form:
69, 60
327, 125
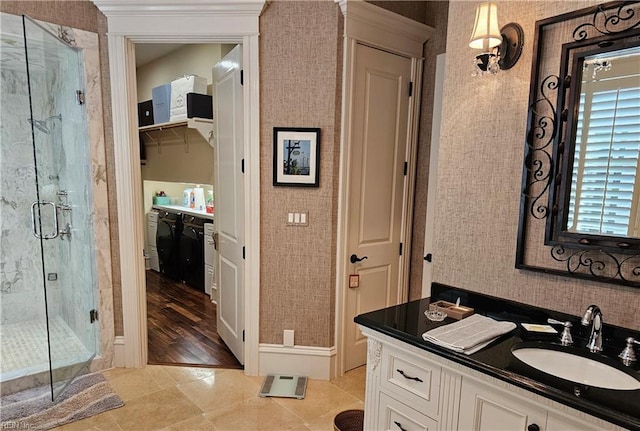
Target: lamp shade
486, 33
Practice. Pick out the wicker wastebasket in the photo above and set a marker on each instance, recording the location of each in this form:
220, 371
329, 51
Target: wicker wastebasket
349, 420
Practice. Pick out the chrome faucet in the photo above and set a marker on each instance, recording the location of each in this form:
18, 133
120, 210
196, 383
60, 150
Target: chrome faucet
593, 316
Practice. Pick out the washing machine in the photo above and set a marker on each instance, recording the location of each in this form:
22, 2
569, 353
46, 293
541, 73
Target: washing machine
168, 243
192, 251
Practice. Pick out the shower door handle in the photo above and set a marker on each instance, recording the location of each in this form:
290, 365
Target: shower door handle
55, 232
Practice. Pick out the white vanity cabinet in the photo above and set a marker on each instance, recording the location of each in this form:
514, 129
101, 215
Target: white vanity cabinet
409, 388
405, 390
483, 408
409, 391
556, 422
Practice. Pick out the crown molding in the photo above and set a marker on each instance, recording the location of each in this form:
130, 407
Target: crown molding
366, 22
181, 8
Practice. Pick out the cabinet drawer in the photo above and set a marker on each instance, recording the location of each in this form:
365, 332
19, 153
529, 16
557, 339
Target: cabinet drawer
412, 378
393, 415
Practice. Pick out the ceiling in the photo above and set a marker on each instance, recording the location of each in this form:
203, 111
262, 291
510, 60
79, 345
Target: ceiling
147, 52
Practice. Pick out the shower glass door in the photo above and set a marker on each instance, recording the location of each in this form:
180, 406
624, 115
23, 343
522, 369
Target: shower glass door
61, 215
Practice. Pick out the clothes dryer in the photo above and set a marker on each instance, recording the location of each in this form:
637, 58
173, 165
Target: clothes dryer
192, 251
167, 243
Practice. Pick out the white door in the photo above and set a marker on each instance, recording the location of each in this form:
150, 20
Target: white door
379, 142
229, 193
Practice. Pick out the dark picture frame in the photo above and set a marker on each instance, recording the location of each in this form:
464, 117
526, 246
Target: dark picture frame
296, 156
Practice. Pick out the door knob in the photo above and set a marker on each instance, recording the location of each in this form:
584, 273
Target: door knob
354, 258
533, 427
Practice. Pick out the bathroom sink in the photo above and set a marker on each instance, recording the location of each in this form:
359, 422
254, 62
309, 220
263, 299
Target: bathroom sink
574, 367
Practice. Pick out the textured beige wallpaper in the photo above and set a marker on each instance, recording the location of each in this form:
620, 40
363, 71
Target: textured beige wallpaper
479, 177
300, 80
85, 15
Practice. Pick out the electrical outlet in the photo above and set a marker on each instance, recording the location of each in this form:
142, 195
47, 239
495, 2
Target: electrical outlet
288, 338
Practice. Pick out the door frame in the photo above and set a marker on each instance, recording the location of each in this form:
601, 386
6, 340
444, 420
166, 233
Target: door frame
376, 27
156, 21
430, 214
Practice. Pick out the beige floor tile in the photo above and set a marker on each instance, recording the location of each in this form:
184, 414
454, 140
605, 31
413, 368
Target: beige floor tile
195, 423
160, 375
325, 422
189, 374
136, 382
102, 422
258, 414
154, 411
174, 398
353, 382
321, 398
221, 390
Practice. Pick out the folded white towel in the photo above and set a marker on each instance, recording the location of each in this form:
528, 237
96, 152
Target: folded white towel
468, 335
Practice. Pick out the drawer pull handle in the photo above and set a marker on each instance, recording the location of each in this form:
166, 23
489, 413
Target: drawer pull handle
399, 425
417, 379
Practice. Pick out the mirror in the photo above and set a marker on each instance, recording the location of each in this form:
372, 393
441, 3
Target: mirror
604, 191
580, 203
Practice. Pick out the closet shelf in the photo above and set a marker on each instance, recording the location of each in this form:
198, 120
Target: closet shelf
155, 132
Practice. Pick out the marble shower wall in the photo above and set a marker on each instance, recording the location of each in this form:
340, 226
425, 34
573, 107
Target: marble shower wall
70, 157
21, 278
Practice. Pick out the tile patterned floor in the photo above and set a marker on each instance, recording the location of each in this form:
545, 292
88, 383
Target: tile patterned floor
183, 398
24, 348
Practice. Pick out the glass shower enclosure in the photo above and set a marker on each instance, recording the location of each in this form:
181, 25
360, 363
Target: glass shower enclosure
48, 328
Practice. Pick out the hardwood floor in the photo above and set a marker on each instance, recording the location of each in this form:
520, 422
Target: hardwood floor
181, 326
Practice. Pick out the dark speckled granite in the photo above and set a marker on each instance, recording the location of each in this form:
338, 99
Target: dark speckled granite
407, 323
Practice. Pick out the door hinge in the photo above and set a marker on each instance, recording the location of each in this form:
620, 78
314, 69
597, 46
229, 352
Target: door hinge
410, 88
242, 165
243, 335
80, 97
400, 249
93, 315
243, 252
241, 77
406, 168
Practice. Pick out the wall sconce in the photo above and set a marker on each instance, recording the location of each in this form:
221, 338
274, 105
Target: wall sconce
501, 49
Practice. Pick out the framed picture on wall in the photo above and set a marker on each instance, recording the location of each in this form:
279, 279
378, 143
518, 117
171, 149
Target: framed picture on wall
296, 156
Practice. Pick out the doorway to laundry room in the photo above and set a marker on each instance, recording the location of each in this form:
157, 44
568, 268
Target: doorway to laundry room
175, 92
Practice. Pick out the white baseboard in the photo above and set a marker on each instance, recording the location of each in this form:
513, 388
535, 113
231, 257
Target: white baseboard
118, 351
313, 362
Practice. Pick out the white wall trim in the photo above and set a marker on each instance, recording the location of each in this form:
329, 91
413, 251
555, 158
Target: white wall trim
430, 216
313, 362
130, 226
383, 29
118, 351
158, 21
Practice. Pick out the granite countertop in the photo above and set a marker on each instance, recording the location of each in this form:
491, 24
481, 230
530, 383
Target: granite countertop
184, 210
406, 322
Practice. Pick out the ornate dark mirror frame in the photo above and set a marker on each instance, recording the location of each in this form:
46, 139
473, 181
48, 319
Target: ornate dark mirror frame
544, 244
